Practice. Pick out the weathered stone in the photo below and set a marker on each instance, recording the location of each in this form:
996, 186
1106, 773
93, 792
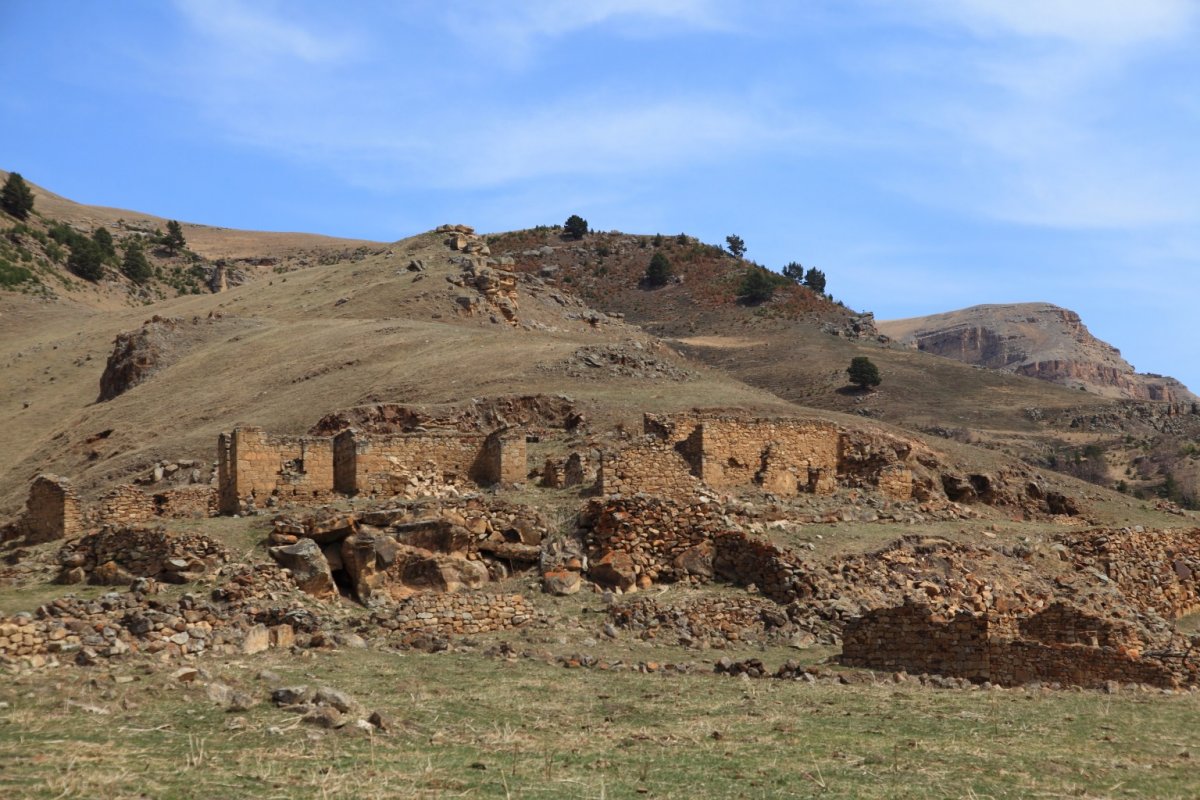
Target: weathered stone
257, 640
615, 569
360, 560
292, 695
561, 582
338, 699
308, 566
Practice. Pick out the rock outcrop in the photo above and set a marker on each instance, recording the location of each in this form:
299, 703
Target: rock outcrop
1038, 340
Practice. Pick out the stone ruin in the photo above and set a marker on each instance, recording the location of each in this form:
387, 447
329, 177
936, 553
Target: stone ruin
52, 511
1061, 644
115, 556
388, 555
255, 468
680, 453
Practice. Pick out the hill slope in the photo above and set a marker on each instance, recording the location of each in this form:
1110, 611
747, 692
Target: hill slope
1039, 340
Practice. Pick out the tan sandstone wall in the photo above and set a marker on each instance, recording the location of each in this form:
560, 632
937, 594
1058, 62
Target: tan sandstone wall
979, 647
383, 465
254, 464
456, 614
52, 510
122, 505
1158, 569
783, 456
651, 466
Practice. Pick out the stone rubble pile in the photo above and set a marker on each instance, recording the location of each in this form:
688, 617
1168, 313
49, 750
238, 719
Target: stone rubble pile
114, 556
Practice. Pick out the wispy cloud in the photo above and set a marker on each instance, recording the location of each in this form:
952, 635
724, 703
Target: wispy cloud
261, 30
1104, 23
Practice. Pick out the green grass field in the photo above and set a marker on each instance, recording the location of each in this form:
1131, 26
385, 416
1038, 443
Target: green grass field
472, 726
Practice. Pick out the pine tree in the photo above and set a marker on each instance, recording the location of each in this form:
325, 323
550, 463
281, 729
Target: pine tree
794, 271
736, 245
134, 265
815, 280
104, 241
576, 226
756, 286
659, 271
16, 197
86, 260
174, 239
863, 373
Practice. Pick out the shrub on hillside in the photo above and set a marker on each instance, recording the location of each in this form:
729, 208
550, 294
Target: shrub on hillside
576, 227
863, 372
16, 197
659, 271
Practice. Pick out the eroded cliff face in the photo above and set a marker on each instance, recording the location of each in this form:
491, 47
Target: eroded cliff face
1038, 340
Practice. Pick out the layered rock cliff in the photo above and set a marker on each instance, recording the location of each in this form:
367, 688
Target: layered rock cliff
1035, 339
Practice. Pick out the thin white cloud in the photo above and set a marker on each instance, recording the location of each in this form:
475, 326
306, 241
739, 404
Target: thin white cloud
558, 17
244, 29
1088, 22
514, 31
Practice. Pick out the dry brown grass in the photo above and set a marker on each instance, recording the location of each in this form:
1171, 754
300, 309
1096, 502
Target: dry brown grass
476, 727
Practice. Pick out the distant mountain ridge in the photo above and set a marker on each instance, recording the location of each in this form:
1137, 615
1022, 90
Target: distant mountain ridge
1039, 340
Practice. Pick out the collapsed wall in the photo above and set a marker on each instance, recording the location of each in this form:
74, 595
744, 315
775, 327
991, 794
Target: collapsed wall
1045, 647
783, 456
52, 511
114, 556
254, 466
127, 504
455, 614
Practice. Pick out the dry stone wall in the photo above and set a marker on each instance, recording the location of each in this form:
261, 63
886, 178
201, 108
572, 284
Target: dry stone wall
53, 510
982, 647
651, 466
1159, 569
126, 504
456, 614
116, 555
783, 456
742, 618
254, 467
667, 539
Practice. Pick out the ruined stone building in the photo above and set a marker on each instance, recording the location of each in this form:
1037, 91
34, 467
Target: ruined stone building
253, 465
784, 456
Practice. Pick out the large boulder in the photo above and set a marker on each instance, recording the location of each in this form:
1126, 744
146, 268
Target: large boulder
360, 559
308, 566
416, 569
616, 570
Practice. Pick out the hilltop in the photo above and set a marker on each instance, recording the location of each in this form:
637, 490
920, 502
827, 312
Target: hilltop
1039, 340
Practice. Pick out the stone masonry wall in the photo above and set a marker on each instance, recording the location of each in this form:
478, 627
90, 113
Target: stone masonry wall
455, 614
187, 502
666, 538
783, 456
257, 465
123, 505
1061, 623
979, 647
126, 504
384, 464
141, 552
652, 466
778, 573
52, 511
1159, 570
913, 638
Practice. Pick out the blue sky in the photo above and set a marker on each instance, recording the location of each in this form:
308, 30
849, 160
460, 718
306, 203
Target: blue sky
926, 154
